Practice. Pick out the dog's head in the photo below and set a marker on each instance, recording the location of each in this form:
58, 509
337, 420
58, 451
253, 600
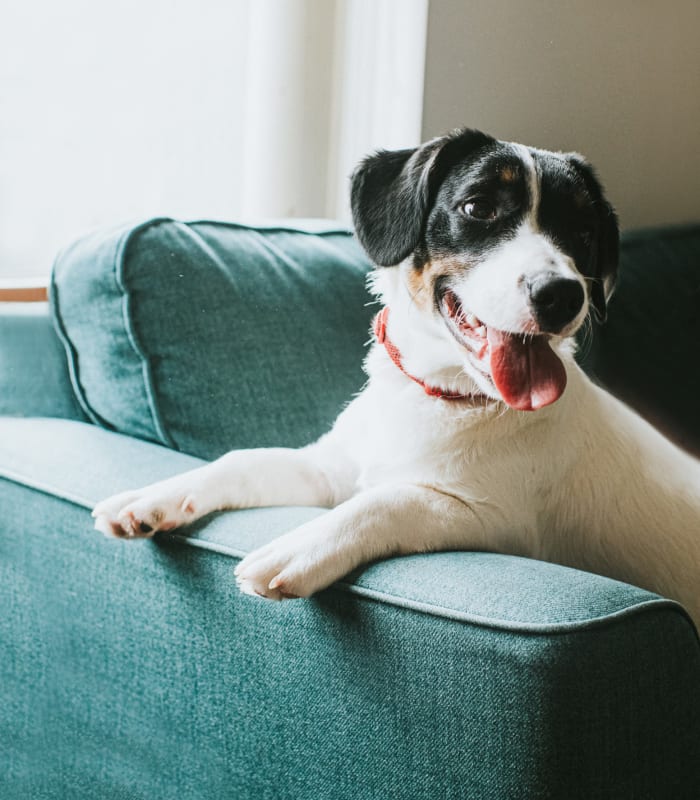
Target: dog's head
511, 247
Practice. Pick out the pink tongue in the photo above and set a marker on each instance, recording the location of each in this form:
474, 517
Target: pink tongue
527, 373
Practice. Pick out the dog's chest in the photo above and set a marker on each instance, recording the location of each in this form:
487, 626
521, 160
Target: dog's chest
414, 439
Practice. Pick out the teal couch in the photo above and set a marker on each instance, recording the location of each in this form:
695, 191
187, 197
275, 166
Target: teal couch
137, 670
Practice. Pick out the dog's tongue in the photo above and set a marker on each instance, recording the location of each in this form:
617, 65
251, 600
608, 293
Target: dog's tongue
527, 372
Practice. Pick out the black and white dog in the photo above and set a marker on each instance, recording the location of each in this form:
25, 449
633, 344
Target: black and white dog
492, 255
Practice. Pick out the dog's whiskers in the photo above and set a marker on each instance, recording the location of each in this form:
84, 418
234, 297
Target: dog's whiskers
586, 340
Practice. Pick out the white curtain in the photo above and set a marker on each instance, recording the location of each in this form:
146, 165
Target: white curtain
329, 81
223, 109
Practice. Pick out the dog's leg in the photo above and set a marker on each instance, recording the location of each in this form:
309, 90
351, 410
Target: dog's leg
377, 523
317, 475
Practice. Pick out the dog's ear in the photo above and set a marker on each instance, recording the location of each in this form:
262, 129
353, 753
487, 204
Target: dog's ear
606, 248
392, 193
607, 256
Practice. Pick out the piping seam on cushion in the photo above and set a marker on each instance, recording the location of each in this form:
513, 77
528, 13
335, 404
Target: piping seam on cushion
398, 600
45, 488
432, 609
520, 626
71, 356
261, 228
129, 328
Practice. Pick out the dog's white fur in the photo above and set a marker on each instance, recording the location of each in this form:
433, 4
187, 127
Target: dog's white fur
583, 482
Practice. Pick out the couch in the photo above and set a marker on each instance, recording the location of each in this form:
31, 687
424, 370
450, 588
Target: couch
137, 670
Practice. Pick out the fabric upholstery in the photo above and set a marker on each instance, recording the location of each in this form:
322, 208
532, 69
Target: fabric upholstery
138, 670
478, 588
34, 379
207, 336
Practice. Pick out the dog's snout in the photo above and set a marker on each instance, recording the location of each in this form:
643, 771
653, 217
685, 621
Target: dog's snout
555, 301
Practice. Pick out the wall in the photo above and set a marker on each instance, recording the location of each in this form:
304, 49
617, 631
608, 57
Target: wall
618, 81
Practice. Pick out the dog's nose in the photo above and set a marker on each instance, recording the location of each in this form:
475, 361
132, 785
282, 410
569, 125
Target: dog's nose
555, 301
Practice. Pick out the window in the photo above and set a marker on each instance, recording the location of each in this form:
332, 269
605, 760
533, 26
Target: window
195, 109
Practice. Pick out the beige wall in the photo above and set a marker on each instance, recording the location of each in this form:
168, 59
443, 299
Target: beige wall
618, 81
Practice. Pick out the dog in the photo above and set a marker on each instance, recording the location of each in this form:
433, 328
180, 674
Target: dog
476, 430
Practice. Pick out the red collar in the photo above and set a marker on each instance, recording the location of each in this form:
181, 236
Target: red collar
380, 323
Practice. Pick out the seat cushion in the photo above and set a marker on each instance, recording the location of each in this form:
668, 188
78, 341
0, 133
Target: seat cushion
207, 336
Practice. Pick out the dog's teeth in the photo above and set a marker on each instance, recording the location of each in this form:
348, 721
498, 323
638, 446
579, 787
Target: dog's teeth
472, 321
481, 330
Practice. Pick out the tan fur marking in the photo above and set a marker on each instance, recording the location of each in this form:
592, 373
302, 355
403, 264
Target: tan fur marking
508, 174
421, 282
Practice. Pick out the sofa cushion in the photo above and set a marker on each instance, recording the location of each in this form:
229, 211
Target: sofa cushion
207, 336
34, 379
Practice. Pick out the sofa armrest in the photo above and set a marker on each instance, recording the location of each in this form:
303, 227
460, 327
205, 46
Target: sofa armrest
448, 675
34, 379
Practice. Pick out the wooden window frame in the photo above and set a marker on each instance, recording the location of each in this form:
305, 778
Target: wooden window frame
24, 290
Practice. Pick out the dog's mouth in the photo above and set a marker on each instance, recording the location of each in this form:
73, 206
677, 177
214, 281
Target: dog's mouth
523, 367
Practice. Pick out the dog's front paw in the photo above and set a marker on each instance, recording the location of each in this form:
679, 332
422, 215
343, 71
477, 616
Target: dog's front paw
291, 566
140, 514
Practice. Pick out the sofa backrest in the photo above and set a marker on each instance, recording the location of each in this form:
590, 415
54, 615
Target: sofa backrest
206, 336
648, 352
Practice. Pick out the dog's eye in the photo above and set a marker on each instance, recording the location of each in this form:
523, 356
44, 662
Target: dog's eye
480, 208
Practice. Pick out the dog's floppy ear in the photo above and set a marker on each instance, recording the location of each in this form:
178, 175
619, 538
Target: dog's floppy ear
603, 269
607, 256
393, 191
